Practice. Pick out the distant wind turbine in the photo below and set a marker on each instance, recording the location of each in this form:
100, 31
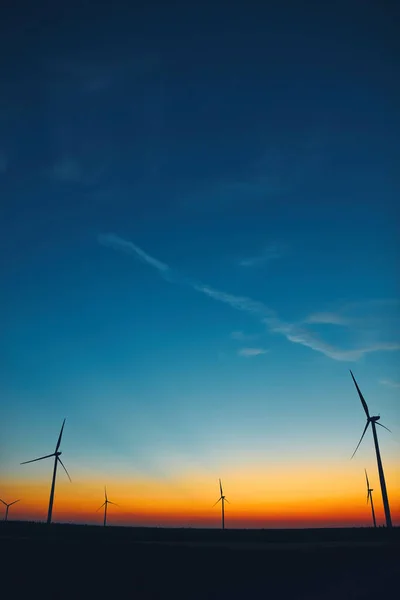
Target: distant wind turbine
7, 507
369, 497
106, 501
374, 421
222, 499
57, 460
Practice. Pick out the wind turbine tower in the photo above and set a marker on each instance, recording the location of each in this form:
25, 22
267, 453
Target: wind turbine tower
369, 497
57, 460
7, 507
222, 499
106, 502
373, 421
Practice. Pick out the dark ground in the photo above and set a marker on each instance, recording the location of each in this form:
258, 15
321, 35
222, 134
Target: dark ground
67, 561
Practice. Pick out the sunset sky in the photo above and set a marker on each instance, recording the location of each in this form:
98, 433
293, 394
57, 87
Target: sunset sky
199, 240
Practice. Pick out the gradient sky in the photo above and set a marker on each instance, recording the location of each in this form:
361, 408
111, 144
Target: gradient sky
198, 240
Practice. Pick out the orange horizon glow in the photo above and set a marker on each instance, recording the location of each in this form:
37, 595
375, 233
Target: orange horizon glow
286, 499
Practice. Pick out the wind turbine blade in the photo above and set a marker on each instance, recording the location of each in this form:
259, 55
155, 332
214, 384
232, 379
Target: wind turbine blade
15, 502
109, 502
63, 466
60, 436
226, 500
380, 425
105, 493
5, 503
220, 487
365, 429
100, 507
219, 499
366, 476
35, 459
361, 397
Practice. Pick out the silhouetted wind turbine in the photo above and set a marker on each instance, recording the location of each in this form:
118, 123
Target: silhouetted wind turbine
369, 497
106, 501
374, 421
7, 507
222, 499
57, 460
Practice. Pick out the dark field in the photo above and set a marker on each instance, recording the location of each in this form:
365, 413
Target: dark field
71, 561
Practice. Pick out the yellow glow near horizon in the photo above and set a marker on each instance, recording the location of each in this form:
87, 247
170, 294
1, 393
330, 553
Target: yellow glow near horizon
279, 497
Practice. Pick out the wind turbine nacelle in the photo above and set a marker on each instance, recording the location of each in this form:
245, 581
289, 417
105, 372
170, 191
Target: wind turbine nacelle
375, 418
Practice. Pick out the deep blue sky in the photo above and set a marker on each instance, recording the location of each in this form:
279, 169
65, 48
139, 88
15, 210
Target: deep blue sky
251, 149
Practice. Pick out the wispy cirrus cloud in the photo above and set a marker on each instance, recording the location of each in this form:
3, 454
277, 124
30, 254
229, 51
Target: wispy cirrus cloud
327, 318
295, 333
370, 311
375, 323
298, 334
114, 241
271, 252
390, 383
248, 352
239, 302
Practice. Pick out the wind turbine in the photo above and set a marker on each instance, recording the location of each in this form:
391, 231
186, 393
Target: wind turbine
7, 507
222, 499
369, 497
57, 460
374, 421
106, 501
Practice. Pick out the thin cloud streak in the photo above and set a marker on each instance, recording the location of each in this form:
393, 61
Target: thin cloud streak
299, 335
292, 332
359, 314
248, 352
390, 383
270, 253
239, 302
328, 318
118, 243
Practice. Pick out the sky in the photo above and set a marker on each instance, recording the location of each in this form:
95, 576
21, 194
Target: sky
198, 240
